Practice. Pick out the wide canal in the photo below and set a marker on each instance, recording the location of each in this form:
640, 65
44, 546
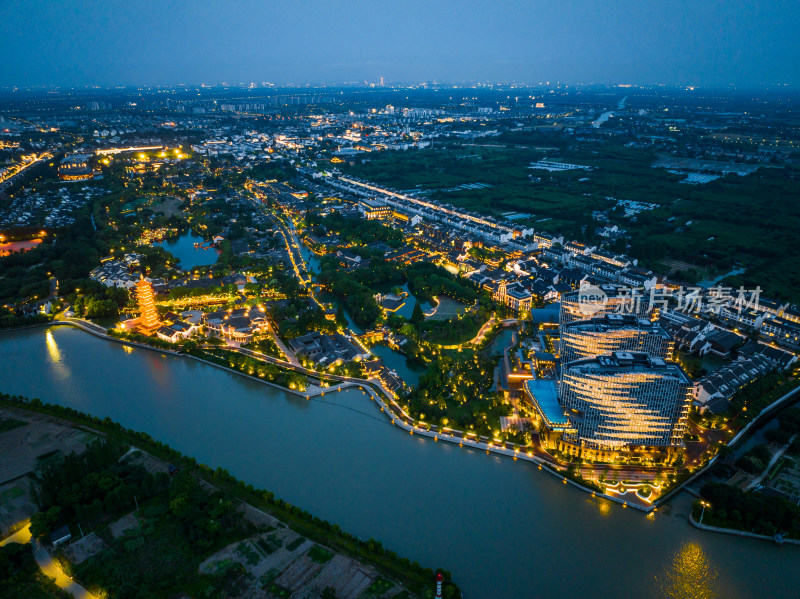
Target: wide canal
504, 528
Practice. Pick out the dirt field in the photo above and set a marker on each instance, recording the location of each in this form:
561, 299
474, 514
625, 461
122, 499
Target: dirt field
84, 548
22, 450
280, 562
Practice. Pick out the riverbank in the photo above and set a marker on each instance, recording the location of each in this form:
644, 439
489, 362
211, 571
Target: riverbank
739, 533
410, 574
398, 417
395, 414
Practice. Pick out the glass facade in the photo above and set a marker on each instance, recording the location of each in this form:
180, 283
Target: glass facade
583, 339
625, 400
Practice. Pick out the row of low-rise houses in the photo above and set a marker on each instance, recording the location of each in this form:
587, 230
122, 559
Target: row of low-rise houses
550, 266
469, 223
117, 272
323, 349
714, 391
780, 323
747, 311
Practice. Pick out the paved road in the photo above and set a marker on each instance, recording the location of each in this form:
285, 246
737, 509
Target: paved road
22, 536
51, 569
46, 564
282, 346
757, 481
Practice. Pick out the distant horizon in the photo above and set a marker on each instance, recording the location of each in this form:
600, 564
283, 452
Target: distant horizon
408, 85
146, 43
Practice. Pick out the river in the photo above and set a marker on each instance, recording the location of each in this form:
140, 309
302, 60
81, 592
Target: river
504, 528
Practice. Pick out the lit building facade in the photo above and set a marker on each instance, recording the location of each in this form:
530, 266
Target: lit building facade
75, 168
373, 210
627, 403
514, 295
583, 339
580, 305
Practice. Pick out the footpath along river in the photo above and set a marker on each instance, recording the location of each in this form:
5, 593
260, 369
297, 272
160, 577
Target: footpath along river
503, 528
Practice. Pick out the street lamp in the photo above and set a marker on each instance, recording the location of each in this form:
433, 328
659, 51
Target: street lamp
703, 511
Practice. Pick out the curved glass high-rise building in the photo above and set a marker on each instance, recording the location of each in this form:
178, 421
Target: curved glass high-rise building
625, 401
595, 302
582, 339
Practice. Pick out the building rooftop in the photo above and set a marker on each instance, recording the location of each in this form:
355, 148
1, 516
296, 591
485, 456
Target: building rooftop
543, 394
624, 361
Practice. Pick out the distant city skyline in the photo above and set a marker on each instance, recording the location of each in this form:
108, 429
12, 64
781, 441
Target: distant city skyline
142, 42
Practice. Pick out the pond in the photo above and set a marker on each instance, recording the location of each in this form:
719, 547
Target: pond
501, 341
396, 361
547, 314
190, 250
408, 307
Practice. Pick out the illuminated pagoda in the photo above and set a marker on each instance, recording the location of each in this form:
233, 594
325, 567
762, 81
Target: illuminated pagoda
147, 305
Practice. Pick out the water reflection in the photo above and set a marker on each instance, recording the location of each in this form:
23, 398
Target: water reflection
54, 353
603, 506
690, 574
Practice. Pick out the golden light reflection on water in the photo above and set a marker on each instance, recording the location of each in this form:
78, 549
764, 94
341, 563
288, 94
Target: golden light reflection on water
604, 507
127, 349
54, 353
52, 347
689, 575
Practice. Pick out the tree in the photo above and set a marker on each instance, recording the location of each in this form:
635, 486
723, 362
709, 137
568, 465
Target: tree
340, 318
417, 315
44, 522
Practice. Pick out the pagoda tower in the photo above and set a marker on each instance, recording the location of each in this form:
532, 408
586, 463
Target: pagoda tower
147, 305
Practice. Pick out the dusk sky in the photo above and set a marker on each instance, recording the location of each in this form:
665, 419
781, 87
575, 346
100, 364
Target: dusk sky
700, 42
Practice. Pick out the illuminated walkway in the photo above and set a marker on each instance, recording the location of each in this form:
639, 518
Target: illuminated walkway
46, 564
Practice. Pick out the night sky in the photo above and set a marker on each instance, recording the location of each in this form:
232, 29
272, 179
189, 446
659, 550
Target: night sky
133, 42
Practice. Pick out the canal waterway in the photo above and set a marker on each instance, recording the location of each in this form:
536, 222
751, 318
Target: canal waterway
189, 255
501, 341
396, 361
504, 528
